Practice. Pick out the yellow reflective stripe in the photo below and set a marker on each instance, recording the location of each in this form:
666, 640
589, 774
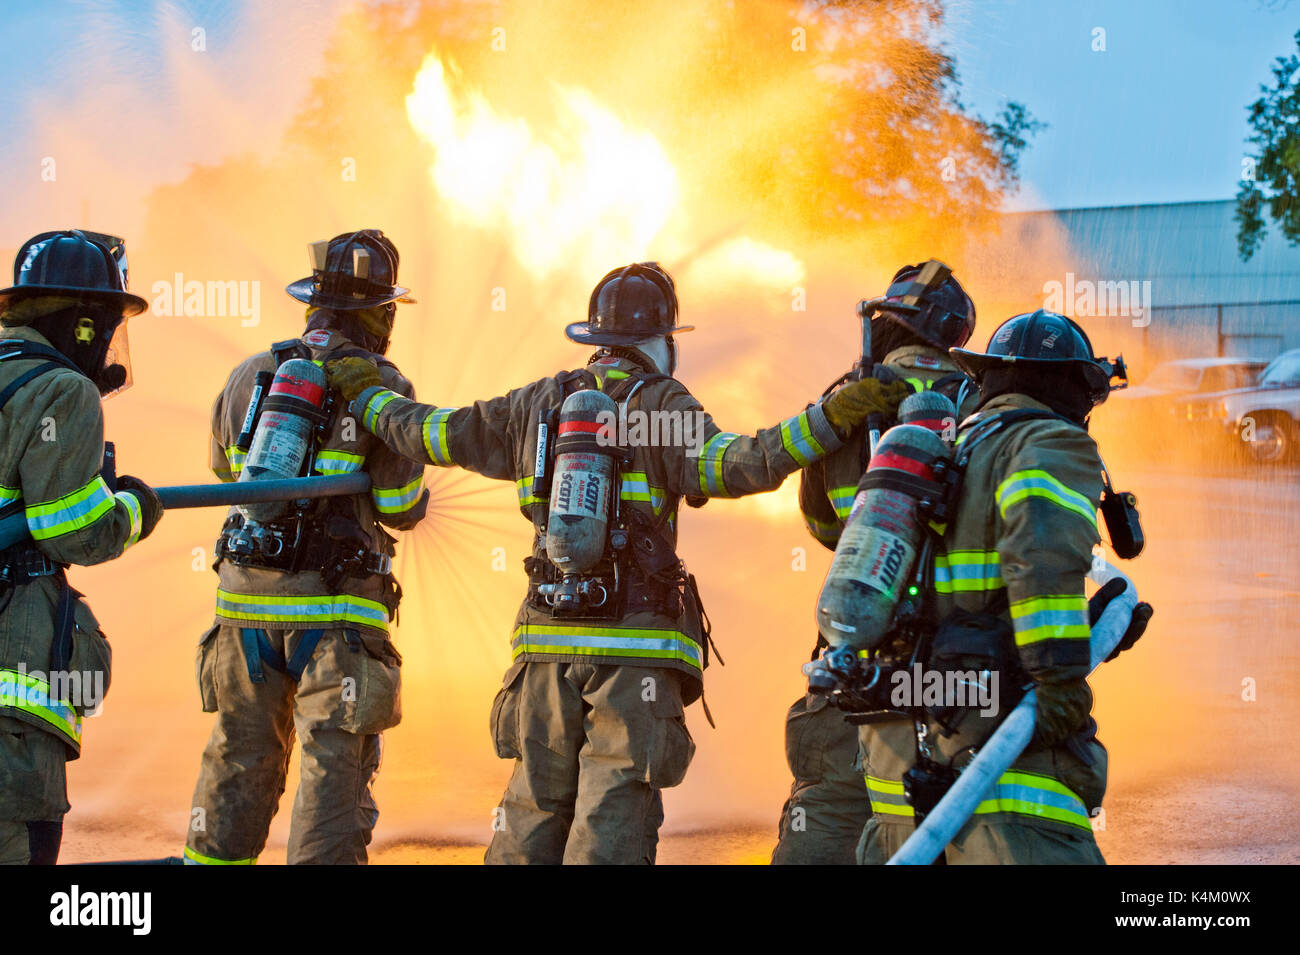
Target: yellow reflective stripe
307, 608
198, 858
376, 404
524, 488
826, 531
710, 463
236, 458
133, 509
797, 437
1030, 794
392, 500
1038, 483
1052, 617
338, 462
24, 692
967, 571
606, 642
9, 494
887, 797
435, 436
636, 486
70, 512
841, 499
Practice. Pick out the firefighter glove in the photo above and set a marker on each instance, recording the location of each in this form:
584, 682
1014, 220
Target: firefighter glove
1137, 625
849, 407
351, 376
1062, 710
151, 509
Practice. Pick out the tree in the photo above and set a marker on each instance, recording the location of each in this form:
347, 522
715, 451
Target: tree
1272, 177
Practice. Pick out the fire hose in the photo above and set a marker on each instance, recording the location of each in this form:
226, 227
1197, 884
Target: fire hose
13, 529
1004, 747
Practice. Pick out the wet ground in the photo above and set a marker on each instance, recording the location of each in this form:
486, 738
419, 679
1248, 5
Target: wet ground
1200, 719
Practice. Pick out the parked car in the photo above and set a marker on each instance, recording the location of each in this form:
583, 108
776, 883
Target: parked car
1188, 390
1266, 417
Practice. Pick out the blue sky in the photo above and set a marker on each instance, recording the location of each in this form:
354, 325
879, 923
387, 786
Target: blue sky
1158, 117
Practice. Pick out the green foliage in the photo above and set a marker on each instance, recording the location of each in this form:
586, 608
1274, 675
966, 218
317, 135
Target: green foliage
1274, 181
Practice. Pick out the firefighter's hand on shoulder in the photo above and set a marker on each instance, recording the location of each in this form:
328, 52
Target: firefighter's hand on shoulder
849, 407
1061, 709
151, 509
351, 376
1137, 625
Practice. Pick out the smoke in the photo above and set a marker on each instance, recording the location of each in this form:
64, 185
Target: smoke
514, 153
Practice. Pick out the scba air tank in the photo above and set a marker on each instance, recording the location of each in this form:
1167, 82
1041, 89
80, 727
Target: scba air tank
878, 547
290, 413
932, 410
577, 526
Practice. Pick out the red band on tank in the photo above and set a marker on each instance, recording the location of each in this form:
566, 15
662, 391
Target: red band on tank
934, 424
900, 463
298, 388
591, 427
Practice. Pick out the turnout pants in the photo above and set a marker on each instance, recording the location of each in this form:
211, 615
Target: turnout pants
593, 745
345, 696
823, 819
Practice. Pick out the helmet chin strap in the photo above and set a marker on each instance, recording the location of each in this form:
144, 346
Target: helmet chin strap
661, 353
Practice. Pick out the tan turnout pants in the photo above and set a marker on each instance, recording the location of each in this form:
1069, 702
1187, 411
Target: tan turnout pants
593, 745
344, 698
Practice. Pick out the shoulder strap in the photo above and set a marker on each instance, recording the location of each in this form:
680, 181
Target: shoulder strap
288, 349
54, 360
1000, 422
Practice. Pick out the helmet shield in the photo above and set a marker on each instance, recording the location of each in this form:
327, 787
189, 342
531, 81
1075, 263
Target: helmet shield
115, 375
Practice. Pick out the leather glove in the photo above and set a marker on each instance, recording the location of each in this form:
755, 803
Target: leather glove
849, 407
351, 376
1137, 625
1062, 710
151, 509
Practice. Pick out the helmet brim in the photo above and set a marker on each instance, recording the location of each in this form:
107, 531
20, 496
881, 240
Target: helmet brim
584, 334
974, 364
130, 305
304, 290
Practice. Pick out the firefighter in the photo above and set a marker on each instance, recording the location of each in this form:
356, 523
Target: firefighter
63, 349
924, 312
1008, 598
591, 709
300, 643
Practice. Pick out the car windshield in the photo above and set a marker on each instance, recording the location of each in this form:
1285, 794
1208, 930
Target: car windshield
1174, 378
1283, 370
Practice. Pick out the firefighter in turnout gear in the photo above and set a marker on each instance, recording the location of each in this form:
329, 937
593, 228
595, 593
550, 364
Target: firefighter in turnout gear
301, 645
1005, 597
591, 709
924, 312
63, 349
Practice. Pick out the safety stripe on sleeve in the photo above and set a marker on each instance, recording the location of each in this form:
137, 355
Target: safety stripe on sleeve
10, 494
435, 437
968, 571
797, 437
236, 458
606, 642
524, 488
310, 609
198, 858
22, 691
370, 414
394, 500
1053, 617
70, 512
1038, 483
132, 505
711, 483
